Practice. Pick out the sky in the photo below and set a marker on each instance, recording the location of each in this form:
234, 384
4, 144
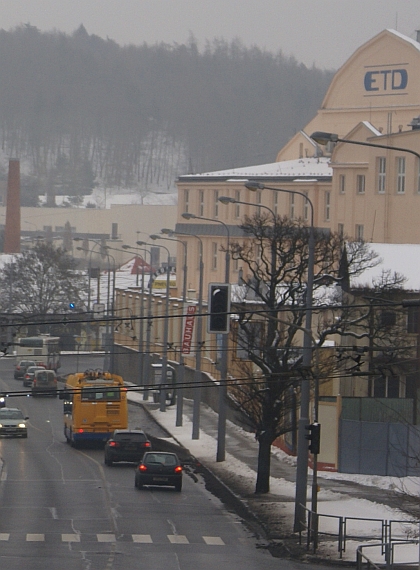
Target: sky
323, 33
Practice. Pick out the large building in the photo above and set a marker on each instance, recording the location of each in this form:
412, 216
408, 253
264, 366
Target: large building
360, 191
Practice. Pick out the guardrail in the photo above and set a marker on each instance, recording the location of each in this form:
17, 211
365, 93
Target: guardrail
388, 537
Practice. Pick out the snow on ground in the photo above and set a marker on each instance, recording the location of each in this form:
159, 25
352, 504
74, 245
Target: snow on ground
330, 503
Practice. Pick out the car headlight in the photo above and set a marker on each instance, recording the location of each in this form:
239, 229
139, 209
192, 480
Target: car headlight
1, 425
22, 425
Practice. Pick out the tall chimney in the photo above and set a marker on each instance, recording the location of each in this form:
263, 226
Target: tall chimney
12, 230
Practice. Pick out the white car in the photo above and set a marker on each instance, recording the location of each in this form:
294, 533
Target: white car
13, 422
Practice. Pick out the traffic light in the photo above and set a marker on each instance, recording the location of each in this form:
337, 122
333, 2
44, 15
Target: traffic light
219, 307
314, 437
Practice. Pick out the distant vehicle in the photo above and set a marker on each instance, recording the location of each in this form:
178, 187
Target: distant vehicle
95, 405
13, 422
21, 367
44, 383
126, 445
43, 349
29, 374
159, 468
2, 402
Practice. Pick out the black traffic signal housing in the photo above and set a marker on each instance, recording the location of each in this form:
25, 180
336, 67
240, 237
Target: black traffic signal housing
219, 307
314, 436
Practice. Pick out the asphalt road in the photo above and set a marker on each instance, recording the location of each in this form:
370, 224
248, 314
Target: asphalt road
61, 508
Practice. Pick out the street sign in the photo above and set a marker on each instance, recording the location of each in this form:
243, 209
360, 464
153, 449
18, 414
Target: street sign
98, 310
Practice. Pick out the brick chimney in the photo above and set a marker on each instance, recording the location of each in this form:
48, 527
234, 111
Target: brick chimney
12, 230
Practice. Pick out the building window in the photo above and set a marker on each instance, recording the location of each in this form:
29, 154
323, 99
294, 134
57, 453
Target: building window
327, 206
199, 253
340, 230
342, 183
201, 209
305, 208
214, 250
276, 201
360, 183
259, 202
359, 231
400, 175
292, 206
237, 206
381, 174
186, 201
216, 204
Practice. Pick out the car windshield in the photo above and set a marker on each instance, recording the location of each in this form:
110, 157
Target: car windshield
163, 458
11, 415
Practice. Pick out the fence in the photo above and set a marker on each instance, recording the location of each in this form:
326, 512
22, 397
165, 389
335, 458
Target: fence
389, 536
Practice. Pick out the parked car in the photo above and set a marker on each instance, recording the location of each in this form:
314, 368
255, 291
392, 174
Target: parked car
21, 368
13, 422
126, 445
44, 383
159, 468
30, 373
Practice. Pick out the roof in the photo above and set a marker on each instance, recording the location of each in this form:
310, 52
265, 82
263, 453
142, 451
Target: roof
302, 168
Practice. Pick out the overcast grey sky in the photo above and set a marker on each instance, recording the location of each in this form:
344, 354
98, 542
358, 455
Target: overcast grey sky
320, 32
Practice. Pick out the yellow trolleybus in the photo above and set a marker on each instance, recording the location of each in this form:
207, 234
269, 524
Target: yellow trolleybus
95, 404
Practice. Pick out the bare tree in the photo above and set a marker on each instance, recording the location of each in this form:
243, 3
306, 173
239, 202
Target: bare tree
269, 329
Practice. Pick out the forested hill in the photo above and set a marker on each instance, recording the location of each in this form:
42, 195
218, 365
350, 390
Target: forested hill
77, 108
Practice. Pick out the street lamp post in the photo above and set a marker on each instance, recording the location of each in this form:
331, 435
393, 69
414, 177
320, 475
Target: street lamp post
164, 376
302, 448
142, 368
198, 340
181, 370
323, 138
221, 427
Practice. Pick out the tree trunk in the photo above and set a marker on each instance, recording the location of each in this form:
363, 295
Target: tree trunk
264, 458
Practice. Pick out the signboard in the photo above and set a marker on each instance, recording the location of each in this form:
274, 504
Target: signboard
188, 329
98, 310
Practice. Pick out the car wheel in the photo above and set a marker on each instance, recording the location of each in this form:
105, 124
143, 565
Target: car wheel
108, 462
178, 487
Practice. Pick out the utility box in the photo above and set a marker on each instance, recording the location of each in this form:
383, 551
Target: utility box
156, 382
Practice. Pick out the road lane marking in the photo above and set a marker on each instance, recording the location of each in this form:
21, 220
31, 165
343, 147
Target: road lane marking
106, 537
145, 538
178, 539
35, 537
213, 540
4, 536
70, 537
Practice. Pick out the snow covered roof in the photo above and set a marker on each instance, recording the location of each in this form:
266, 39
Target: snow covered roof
301, 168
395, 257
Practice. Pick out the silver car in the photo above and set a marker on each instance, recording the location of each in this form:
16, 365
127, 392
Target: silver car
13, 422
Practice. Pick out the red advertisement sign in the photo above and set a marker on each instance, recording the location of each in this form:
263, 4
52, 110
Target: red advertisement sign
188, 329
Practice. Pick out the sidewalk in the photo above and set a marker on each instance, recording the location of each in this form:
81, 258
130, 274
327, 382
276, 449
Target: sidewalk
340, 494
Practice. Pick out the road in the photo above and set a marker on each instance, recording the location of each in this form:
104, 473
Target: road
61, 508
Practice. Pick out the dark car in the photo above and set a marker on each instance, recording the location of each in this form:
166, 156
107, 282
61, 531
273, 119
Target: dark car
21, 368
44, 383
30, 373
126, 445
159, 468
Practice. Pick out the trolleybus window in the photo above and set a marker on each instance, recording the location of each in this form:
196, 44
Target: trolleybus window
98, 395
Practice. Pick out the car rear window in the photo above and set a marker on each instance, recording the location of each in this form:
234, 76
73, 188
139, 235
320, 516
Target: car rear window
163, 458
131, 437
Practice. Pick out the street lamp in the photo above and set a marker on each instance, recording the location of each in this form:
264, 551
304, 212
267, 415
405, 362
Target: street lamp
165, 331
323, 138
199, 337
142, 359
221, 428
181, 376
302, 448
